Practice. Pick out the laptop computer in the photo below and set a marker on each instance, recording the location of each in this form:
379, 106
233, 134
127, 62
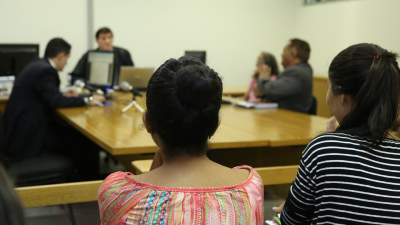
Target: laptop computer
100, 67
137, 77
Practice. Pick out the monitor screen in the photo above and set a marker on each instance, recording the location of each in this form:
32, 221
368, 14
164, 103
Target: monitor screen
197, 54
100, 68
14, 57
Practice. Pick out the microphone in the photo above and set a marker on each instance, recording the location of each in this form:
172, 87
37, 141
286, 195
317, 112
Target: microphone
81, 84
125, 86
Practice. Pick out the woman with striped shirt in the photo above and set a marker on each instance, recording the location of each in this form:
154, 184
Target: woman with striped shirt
352, 174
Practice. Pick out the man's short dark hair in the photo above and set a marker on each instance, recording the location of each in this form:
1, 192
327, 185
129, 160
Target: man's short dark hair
302, 49
103, 30
56, 46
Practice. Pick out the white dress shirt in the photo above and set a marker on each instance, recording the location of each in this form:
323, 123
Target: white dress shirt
52, 63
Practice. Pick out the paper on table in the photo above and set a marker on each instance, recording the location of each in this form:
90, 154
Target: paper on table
232, 100
263, 105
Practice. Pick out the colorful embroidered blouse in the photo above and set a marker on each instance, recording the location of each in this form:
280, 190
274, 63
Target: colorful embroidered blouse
124, 200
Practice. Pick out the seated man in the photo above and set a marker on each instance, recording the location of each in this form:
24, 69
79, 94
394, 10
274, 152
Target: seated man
29, 115
292, 89
104, 38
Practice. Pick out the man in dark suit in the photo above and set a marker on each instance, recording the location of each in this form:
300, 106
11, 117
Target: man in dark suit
29, 115
104, 38
292, 89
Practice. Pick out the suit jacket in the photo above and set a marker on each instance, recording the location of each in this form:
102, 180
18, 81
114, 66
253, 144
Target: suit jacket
34, 98
292, 89
121, 58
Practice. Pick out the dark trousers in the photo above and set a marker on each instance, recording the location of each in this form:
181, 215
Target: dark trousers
65, 140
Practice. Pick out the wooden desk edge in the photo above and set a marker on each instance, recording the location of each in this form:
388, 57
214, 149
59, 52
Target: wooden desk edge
86, 133
239, 144
290, 143
211, 145
135, 150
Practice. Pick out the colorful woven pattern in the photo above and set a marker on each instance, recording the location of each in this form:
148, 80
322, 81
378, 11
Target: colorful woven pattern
124, 200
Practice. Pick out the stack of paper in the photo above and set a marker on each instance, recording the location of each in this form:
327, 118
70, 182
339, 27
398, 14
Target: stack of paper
263, 105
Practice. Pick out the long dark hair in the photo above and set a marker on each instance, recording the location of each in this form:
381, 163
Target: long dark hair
11, 212
370, 75
183, 101
269, 60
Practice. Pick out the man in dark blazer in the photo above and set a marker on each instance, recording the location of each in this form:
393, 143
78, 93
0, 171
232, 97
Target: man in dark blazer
30, 127
104, 38
292, 89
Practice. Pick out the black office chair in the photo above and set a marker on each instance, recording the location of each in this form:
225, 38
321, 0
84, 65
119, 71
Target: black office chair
42, 170
313, 108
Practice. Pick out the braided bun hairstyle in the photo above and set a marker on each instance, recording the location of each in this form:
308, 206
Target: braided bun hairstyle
183, 102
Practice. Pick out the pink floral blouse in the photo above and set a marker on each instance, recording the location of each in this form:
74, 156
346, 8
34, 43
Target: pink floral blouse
124, 200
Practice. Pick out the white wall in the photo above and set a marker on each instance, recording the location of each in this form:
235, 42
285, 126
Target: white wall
233, 32
332, 27
38, 21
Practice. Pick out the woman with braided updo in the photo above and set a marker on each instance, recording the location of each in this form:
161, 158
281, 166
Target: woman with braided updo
183, 187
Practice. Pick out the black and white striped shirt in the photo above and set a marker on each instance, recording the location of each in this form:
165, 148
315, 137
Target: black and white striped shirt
341, 182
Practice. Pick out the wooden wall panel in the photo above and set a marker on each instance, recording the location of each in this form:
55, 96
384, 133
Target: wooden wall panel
320, 87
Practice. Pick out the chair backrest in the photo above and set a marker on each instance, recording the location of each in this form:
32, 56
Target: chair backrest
67, 193
3, 159
2, 134
57, 194
277, 174
314, 105
142, 166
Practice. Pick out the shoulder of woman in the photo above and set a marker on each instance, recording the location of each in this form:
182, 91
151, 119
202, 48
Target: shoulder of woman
249, 172
114, 181
328, 139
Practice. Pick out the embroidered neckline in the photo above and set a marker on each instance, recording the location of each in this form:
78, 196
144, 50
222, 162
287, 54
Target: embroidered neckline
194, 189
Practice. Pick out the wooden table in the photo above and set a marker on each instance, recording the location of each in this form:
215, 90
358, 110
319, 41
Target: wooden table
235, 90
123, 133
3, 102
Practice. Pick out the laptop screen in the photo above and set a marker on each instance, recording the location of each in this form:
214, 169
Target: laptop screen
100, 68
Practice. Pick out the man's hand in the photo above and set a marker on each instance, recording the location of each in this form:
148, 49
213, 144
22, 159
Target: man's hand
71, 93
331, 125
264, 71
257, 100
247, 95
257, 91
98, 99
279, 209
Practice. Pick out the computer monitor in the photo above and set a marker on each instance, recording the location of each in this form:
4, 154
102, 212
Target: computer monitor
100, 68
197, 54
14, 57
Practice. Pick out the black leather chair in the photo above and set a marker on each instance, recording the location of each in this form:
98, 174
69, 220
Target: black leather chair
46, 169
42, 170
314, 104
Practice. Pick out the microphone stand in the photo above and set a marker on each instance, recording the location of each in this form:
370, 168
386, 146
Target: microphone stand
133, 103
